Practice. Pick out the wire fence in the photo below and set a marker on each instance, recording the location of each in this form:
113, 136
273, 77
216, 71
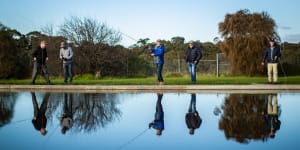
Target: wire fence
217, 66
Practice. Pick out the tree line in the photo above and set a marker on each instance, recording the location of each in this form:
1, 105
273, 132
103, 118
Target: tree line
95, 44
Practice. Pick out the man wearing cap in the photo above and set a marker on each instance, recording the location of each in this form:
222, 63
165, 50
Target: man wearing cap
158, 53
272, 55
192, 57
66, 55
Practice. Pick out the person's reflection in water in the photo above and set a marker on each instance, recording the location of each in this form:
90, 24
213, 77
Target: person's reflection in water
66, 121
40, 120
271, 118
192, 118
158, 122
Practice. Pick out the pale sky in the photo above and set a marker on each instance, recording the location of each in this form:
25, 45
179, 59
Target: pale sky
154, 19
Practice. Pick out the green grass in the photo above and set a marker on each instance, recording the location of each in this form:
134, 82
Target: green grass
201, 80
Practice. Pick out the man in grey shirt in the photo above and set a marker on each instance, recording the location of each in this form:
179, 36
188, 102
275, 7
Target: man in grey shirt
66, 54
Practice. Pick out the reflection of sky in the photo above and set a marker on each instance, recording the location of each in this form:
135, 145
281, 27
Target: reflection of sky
137, 110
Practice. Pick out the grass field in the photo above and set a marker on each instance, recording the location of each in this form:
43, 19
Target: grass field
201, 80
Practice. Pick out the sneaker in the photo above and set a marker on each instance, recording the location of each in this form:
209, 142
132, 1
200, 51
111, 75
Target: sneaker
32, 83
161, 83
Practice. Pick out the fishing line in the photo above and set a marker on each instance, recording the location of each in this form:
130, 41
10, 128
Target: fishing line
133, 139
51, 134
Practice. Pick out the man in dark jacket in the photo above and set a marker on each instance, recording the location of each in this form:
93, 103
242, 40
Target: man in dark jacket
40, 120
272, 55
40, 57
192, 118
192, 57
158, 122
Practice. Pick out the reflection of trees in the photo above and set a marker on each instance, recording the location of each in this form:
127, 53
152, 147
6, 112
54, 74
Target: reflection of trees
242, 118
91, 111
95, 110
7, 103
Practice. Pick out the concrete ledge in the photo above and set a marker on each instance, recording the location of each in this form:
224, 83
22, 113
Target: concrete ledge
153, 88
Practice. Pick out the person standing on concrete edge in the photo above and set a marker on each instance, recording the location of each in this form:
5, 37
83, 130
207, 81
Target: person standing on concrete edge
40, 58
192, 57
66, 55
158, 53
272, 55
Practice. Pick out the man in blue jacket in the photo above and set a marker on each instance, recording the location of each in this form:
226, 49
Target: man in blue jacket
158, 122
272, 55
158, 53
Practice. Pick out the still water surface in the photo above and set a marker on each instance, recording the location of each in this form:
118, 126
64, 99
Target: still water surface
113, 121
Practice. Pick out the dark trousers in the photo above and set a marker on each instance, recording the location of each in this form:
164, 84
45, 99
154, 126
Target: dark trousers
159, 109
43, 108
159, 68
36, 68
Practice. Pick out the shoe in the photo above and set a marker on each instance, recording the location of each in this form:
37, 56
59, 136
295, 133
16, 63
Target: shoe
48, 83
32, 83
161, 83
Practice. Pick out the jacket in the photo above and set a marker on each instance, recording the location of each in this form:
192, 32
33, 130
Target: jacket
40, 55
193, 54
158, 54
193, 121
66, 54
275, 55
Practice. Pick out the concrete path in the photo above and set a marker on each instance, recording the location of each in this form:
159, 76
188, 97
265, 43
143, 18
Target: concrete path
154, 88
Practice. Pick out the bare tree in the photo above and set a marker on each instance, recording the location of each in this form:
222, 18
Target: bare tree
48, 29
81, 30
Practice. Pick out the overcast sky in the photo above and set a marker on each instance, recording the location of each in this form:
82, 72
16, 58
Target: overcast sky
164, 19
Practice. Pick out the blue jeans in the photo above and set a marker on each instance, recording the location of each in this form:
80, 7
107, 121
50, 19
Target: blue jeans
192, 70
192, 107
159, 68
68, 72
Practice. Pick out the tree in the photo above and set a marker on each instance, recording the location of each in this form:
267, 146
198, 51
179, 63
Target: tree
242, 118
88, 30
7, 104
48, 29
244, 39
95, 41
14, 60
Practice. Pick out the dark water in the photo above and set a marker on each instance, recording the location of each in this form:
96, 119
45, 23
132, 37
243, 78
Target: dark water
121, 120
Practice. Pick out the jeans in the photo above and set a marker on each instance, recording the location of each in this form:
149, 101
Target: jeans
67, 72
192, 70
159, 68
192, 107
36, 68
159, 109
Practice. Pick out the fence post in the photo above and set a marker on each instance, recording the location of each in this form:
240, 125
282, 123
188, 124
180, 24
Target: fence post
217, 57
